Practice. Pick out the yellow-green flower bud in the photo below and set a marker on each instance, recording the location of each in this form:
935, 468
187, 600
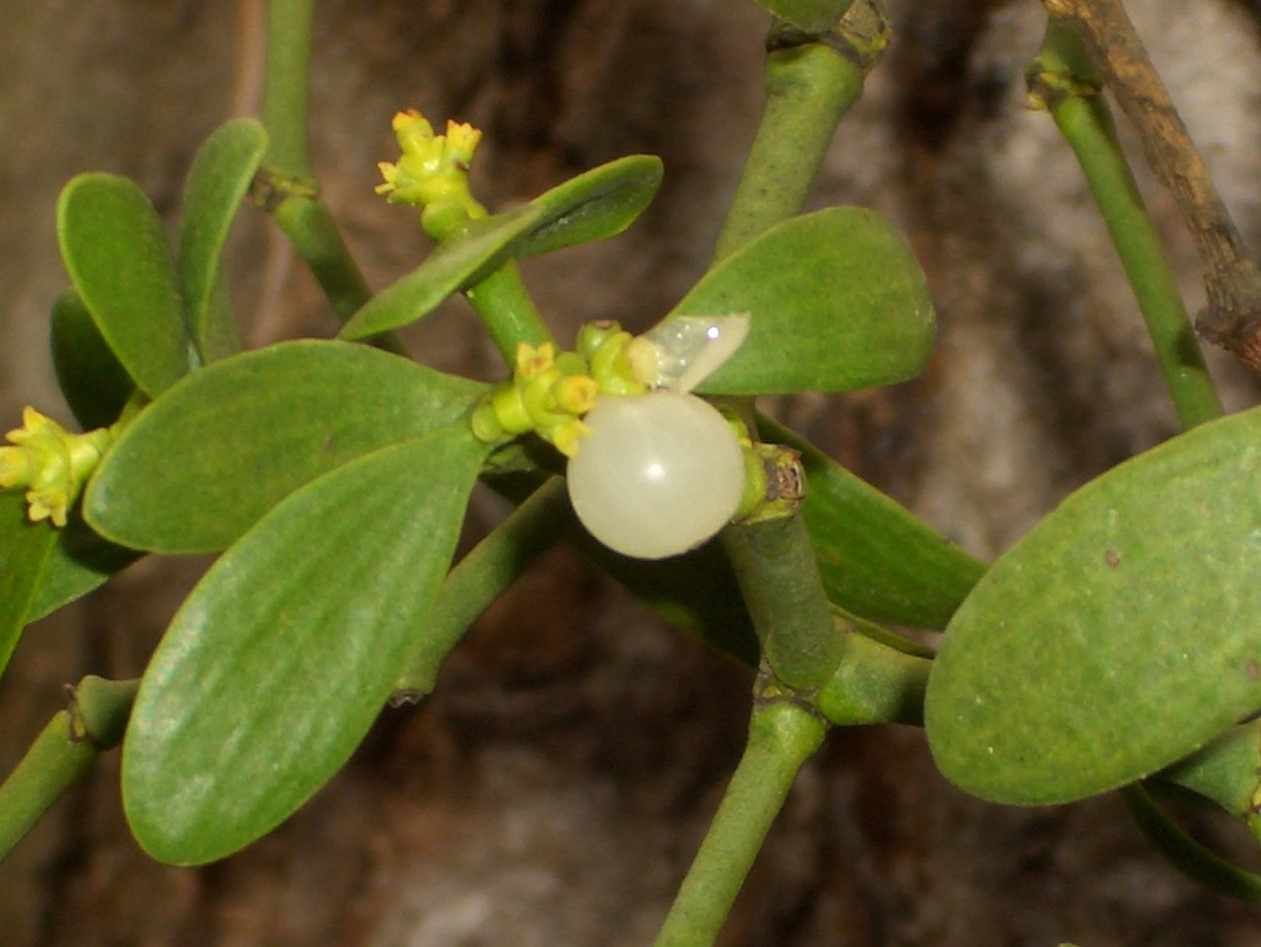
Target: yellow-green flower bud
51, 462
412, 130
534, 361
432, 173
575, 394
566, 437
462, 141
542, 397
611, 368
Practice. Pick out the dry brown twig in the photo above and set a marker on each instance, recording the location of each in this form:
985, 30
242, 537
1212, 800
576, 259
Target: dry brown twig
1232, 316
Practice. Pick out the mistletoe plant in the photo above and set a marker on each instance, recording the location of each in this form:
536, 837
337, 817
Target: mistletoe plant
1115, 646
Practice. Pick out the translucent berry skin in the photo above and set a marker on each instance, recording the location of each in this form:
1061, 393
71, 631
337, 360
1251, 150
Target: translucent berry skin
660, 474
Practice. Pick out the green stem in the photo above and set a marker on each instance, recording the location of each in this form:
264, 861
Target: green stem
480, 578
810, 83
1190, 857
1232, 316
287, 186
1064, 80
286, 86
782, 737
779, 578
508, 312
53, 764
62, 754
811, 80
876, 683
310, 227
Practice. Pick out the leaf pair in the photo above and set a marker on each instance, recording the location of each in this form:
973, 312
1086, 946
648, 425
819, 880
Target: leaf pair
157, 314
336, 476
131, 322
837, 298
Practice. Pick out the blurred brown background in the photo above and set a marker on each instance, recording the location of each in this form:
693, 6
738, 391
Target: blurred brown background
553, 790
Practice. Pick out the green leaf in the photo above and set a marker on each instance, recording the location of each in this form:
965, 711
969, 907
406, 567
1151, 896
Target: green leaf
812, 16
458, 263
595, 205
217, 183
876, 559
202, 464
115, 251
1227, 770
276, 665
94, 382
837, 300
80, 561
25, 548
1118, 636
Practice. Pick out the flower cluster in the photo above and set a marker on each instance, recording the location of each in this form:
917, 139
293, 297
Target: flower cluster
547, 395
51, 462
433, 172
549, 392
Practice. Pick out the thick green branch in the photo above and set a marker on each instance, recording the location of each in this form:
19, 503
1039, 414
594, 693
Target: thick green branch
779, 579
782, 737
63, 753
507, 311
875, 683
810, 83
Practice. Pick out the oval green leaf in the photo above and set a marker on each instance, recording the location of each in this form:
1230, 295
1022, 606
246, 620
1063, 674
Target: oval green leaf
80, 562
837, 302
94, 382
25, 549
276, 665
1118, 636
115, 251
203, 463
597, 204
458, 263
217, 183
876, 559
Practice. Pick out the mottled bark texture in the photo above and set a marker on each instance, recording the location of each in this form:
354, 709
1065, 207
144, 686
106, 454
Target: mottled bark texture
553, 789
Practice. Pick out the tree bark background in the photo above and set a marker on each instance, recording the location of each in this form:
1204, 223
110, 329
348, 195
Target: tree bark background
553, 789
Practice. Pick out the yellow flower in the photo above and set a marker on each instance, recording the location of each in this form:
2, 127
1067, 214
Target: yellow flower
566, 437
575, 394
411, 129
432, 172
533, 362
51, 462
462, 141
